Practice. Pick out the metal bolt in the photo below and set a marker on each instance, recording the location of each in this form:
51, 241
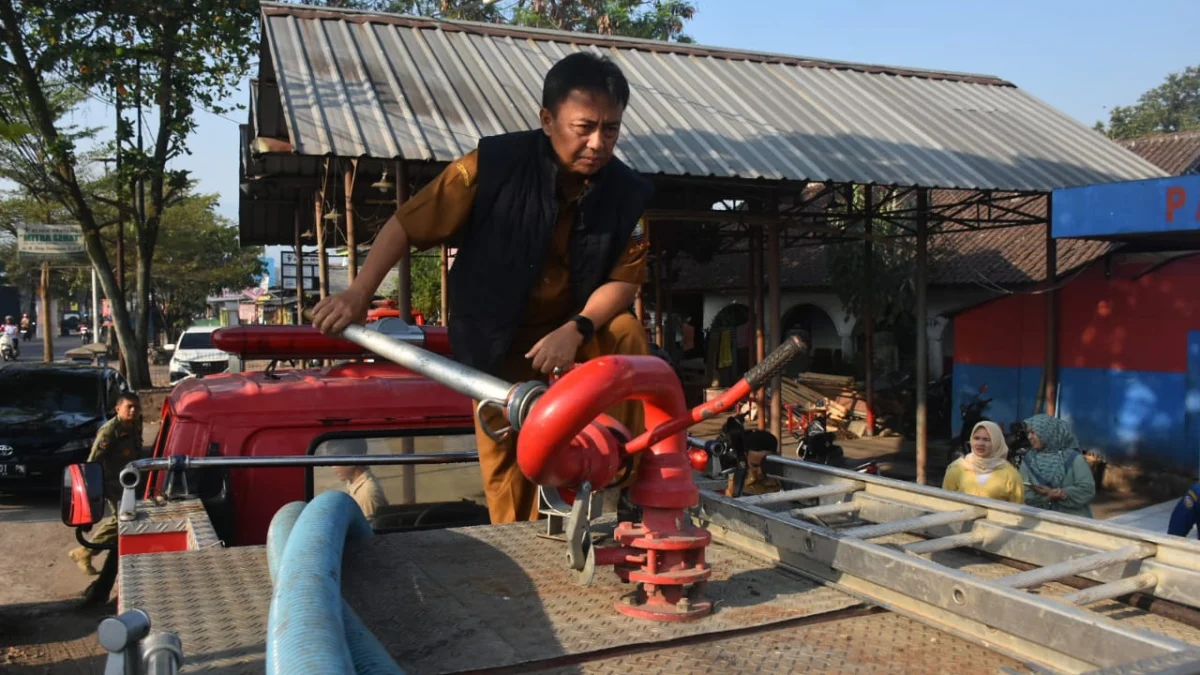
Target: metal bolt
683, 605
629, 600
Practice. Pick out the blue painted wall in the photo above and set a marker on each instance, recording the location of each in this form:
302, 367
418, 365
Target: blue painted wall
1123, 413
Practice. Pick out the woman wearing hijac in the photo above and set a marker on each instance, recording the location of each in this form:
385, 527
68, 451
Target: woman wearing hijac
986, 471
1057, 475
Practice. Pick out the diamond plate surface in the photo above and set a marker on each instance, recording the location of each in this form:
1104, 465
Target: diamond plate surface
508, 594
183, 516
881, 644
216, 599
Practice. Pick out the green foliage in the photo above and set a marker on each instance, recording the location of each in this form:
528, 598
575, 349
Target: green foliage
893, 289
426, 278
650, 19
1172, 106
198, 255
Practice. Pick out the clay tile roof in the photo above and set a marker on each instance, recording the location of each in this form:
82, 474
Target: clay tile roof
1177, 153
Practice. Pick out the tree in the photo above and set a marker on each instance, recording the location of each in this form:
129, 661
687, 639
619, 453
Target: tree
165, 58
202, 252
426, 286
893, 270
650, 19
1172, 106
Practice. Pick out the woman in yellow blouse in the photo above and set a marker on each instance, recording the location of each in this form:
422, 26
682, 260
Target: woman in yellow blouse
986, 471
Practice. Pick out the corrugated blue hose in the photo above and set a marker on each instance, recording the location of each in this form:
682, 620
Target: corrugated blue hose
311, 629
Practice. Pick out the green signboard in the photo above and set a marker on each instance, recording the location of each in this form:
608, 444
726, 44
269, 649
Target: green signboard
53, 243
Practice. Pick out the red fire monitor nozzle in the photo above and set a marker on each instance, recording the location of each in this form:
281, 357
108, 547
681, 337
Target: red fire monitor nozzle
567, 440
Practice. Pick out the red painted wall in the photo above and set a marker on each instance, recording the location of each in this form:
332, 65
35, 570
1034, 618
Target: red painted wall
1118, 323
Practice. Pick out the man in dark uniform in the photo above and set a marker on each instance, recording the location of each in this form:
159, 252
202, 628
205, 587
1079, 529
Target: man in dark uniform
117, 443
550, 253
1185, 516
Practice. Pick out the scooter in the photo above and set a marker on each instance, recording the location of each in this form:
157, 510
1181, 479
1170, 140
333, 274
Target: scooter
9, 350
84, 334
817, 445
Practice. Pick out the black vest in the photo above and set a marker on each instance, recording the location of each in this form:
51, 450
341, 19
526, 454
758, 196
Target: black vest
502, 249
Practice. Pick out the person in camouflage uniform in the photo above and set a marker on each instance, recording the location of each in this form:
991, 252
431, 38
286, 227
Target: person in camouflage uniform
117, 443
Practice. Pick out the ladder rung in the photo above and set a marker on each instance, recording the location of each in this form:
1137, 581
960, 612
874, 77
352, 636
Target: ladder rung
802, 493
1113, 589
966, 539
1069, 568
918, 523
838, 509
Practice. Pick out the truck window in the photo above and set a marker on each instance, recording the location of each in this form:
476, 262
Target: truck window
433, 483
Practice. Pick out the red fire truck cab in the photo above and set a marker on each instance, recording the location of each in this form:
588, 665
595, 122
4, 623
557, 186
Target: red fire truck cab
307, 411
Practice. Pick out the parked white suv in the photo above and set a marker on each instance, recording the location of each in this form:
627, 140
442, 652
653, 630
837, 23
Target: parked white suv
196, 356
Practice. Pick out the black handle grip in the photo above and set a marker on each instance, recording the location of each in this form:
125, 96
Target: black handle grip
775, 361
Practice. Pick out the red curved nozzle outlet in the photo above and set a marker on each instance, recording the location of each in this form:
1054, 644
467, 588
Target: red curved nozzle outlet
558, 446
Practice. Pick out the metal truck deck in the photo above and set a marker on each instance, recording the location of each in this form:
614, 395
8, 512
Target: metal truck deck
841, 573
498, 599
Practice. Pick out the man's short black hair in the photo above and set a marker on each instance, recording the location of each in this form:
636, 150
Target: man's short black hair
129, 396
585, 71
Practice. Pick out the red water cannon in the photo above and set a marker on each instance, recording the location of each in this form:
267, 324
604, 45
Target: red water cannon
565, 441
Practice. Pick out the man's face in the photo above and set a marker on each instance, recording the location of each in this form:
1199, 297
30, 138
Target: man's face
127, 410
344, 473
583, 130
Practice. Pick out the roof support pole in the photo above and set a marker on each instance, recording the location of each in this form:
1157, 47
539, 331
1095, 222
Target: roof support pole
753, 297
322, 253
774, 312
868, 317
656, 246
444, 285
922, 330
404, 267
639, 302
757, 315
299, 268
408, 476
351, 238
1051, 365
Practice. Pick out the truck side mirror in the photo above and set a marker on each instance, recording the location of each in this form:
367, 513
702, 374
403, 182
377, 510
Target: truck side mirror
82, 495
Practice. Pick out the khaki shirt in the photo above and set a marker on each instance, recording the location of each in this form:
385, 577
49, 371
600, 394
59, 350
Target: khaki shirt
366, 491
755, 486
115, 446
443, 208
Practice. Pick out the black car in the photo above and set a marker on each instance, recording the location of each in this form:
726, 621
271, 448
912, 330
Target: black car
49, 415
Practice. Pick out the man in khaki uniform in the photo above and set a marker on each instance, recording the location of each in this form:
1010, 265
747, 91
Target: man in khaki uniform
361, 484
758, 444
549, 254
117, 443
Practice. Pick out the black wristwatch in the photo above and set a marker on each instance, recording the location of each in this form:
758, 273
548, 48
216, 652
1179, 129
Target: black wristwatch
585, 327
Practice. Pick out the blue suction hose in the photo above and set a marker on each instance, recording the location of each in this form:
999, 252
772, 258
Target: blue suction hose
311, 628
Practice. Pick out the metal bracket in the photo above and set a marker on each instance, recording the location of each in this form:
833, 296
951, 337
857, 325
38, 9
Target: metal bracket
121, 637
177, 482
498, 436
127, 509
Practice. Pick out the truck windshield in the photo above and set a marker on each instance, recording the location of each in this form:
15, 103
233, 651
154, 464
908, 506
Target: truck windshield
198, 340
53, 392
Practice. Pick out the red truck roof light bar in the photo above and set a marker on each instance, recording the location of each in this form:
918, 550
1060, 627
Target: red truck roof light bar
305, 342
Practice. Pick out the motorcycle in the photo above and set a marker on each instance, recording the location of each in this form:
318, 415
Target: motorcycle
1018, 443
8, 347
27, 332
972, 413
84, 334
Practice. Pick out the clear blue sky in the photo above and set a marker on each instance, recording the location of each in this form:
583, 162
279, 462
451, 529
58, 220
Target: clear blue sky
1081, 57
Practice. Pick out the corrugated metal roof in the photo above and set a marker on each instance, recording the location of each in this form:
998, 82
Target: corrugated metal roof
358, 84
1177, 153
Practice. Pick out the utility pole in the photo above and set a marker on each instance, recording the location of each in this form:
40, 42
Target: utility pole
48, 315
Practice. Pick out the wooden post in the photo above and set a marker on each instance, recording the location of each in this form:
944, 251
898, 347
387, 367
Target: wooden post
408, 475
48, 318
299, 270
1051, 365
775, 314
922, 330
322, 253
869, 312
351, 235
